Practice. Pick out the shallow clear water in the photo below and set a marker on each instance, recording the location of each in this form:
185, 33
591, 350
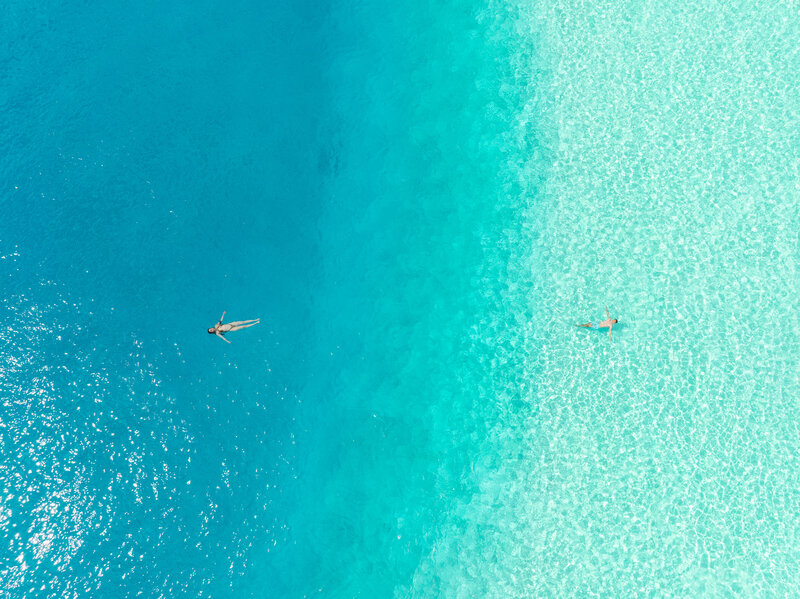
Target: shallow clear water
420, 201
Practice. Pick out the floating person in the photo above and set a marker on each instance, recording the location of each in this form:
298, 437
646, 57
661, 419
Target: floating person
220, 329
609, 322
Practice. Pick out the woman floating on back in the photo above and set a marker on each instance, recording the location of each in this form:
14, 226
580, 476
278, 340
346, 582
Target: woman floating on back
608, 322
220, 329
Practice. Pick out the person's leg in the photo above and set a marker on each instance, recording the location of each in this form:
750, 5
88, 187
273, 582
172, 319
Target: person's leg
244, 326
588, 324
239, 323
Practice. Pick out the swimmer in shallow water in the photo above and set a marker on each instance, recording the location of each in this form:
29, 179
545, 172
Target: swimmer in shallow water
609, 322
220, 329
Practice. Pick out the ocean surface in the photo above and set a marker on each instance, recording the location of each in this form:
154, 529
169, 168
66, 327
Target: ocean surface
419, 200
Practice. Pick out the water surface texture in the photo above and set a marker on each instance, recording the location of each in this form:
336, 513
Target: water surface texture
420, 200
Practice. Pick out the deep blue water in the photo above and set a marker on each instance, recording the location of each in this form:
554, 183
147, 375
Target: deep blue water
159, 166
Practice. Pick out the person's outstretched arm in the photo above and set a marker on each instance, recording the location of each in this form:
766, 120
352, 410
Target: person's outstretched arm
611, 326
220, 319
607, 314
223, 338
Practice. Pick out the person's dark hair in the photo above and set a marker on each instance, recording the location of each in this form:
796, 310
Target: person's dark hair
211, 331
616, 321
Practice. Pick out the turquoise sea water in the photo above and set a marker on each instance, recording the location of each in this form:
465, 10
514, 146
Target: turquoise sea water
420, 201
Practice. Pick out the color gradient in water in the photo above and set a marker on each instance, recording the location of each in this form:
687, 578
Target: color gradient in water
420, 201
